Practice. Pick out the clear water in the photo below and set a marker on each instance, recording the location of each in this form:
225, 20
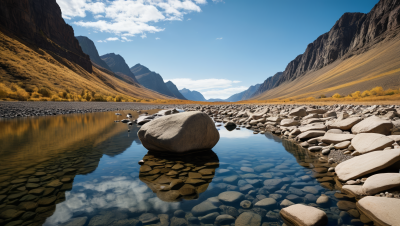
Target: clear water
102, 183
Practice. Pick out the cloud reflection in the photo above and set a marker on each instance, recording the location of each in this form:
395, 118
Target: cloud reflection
111, 192
235, 133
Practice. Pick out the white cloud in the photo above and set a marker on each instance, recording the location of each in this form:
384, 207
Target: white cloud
216, 1
210, 88
157, 38
223, 93
100, 41
219, 38
143, 35
112, 39
125, 39
127, 17
112, 192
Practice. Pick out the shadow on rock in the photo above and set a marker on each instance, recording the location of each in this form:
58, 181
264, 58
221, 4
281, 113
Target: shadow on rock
173, 177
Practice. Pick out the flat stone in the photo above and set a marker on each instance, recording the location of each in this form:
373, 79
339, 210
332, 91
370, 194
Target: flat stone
204, 208
10, 214
248, 219
209, 218
231, 197
45, 201
381, 210
169, 196
78, 221
365, 164
286, 203
303, 215
333, 138
246, 169
346, 205
310, 134
343, 145
230, 179
381, 182
267, 202
368, 142
148, 218
353, 190
187, 189
289, 122
272, 182
207, 171
314, 126
373, 124
323, 199
345, 124
54, 184
224, 219
310, 189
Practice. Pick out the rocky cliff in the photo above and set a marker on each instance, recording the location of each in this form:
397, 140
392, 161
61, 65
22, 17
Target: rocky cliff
118, 65
172, 87
192, 95
90, 49
151, 80
350, 33
40, 23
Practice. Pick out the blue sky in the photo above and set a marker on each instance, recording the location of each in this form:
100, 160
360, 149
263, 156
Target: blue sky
217, 47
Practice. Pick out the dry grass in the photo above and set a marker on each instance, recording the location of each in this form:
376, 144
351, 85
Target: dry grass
379, 65
30, 73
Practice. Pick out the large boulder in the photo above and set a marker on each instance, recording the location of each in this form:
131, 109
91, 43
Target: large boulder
373, 124
345, 124
367, 142
381, 182
366, 164
381, 210
303, 215
178, 133
334, 138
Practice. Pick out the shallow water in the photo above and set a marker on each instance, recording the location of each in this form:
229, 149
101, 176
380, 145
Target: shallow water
92, 164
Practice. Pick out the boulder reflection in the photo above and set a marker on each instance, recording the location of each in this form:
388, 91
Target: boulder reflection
174, 178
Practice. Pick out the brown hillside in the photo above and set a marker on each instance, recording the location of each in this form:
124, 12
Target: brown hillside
377, 64
29, 72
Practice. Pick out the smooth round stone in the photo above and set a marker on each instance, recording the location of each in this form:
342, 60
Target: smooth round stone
230, 179
231, 197
292, 197
204, 208
275, 196
169, 196
286, 203
346, 205
303, 215
272, 182
323, 199
179, 213
246, 169
148, 218
311, 198
209, 218
267, 202
310, 189
248, 219
245, 204
224, 219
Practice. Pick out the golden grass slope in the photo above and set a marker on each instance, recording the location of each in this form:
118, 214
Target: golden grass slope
378, 66
30, 73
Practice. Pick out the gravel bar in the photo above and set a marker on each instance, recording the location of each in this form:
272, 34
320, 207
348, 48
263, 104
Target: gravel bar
27, 109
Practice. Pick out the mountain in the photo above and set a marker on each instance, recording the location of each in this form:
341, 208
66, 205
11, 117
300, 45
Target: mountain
90, 49
358, 53
40, 23
172, 87
151, 80
41, 59
268, 84
216, 100
118, 65
192, 95
243, 95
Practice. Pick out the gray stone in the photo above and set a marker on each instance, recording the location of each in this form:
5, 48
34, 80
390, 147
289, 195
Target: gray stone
231, 197
204, 208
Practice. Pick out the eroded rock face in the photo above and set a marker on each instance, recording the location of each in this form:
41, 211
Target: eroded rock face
35, 21
367, 163
300, 214
381, 210
179, 133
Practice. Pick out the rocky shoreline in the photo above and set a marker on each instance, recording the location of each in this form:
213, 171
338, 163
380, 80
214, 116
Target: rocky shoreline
359, 144
30, 109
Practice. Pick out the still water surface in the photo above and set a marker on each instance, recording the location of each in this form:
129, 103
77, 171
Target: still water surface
83, 169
